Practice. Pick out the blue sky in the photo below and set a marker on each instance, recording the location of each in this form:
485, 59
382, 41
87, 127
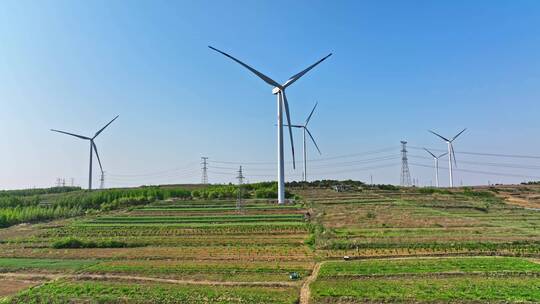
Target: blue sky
398, 69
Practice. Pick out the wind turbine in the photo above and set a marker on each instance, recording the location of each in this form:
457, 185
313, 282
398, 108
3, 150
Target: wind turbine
93, 147
306, 130
279, 90
451, 153
436, 158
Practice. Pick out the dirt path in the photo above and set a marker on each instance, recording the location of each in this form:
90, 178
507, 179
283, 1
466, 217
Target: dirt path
305, 292
174, 281
42, 277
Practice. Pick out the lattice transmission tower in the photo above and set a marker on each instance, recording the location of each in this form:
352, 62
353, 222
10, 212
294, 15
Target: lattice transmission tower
405, 173
204, 163
240, 177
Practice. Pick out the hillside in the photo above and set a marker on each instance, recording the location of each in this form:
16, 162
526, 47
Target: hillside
175, 245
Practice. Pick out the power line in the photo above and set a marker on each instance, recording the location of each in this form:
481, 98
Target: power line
318, 173
484, 154
162, 172
313, 160
483, 172
184, 173
328, 165
490, 164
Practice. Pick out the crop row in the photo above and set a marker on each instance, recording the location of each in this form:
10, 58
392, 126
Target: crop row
222, 225
428, 265
63, 291
528, 246
200, 218
161, 231
429, 290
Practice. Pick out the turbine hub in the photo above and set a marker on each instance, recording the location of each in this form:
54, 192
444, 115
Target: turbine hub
276, 90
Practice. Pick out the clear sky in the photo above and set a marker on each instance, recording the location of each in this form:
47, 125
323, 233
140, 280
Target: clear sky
398, 69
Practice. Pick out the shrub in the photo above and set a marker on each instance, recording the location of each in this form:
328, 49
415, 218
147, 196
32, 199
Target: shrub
73, 243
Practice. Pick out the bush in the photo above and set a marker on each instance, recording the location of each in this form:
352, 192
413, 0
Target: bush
73, 243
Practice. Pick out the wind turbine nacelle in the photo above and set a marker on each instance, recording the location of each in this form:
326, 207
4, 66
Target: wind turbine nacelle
276, 90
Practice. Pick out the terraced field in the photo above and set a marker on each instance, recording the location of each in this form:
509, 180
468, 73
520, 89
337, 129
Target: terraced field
382, 223
402, 246
182, 250
461, 280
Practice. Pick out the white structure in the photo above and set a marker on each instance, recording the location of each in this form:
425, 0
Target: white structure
304, 131
279, 90
451, 154
93, 147
436, 158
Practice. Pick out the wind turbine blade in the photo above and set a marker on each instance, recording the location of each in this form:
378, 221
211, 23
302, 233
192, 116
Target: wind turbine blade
294, 126
97, 155
79, 136
459, 134
310, 114
430, 153
286, 104
453, 154
110, 122
266, 79
443, 138
313, 140
297, 76
444, 154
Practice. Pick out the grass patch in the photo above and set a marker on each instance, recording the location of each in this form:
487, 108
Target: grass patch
422, 266
440, 290
73, 243
14, 264
112, 292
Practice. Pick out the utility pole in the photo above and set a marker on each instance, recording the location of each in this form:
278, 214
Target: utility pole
204, 163
405, 173
240, 177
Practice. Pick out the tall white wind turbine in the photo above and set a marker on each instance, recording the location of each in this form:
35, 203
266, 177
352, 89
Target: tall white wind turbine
93, 148
305, 131
436, 158
451, 153
279, 90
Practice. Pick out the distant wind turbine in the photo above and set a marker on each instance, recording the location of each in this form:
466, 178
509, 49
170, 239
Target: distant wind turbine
279, 90
306, 130
93, 147
451, 153
436, 158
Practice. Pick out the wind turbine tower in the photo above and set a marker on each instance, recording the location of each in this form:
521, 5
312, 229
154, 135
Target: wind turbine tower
102, 180
436, 158
93, 148
305, 131
279, 91
451, 154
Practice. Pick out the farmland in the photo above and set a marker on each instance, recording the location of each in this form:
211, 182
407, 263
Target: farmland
436, 279
166, 248
195, 245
